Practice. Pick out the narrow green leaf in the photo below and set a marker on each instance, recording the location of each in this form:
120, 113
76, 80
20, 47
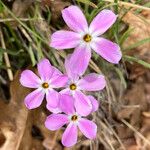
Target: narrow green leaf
33, 60
1, 58
11, 52
125, 35
139, 61
1, 8
137, 44
120, 74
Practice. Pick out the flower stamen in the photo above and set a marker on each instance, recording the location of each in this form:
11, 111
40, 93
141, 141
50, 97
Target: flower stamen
87, 38
45, 85
73, 86
74, 118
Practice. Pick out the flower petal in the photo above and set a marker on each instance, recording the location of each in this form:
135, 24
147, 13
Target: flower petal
102, 22
108, 50
59, 81
55, 110
66, 104
95, 103
79, 60
56, 121
64, 39
56, 72
88, 128
45, 69
70, 135
65, 91
82, 104
52, 98
69, 69
29, 79
34, 99
92, 82
74, 18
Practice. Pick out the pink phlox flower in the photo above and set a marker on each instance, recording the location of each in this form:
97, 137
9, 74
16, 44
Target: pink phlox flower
77, 85
73, 121
84, 38
44, 83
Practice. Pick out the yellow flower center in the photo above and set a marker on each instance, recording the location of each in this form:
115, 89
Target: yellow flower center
74, 117
87, 38
73, 86
45, 85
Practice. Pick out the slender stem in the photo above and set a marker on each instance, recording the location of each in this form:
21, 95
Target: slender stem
6, 57
127, 4
21, 19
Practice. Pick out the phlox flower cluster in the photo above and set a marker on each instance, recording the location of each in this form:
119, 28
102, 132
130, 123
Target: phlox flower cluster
66, 93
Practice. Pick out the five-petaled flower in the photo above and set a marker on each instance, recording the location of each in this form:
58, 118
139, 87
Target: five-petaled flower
48, 79
84, 38
74, 121
76, 84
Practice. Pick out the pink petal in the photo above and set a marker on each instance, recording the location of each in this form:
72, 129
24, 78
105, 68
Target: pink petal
70, 135
52, 98
29, 79
70, 70
34, 99
66, 104
64, 39
102, 22
108, 50
95, 103
55, 110
59, 81
56, 72
82, 104
79, 60
92, 82
74, 18
45, 69
88, 128
55, 121
65, 91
